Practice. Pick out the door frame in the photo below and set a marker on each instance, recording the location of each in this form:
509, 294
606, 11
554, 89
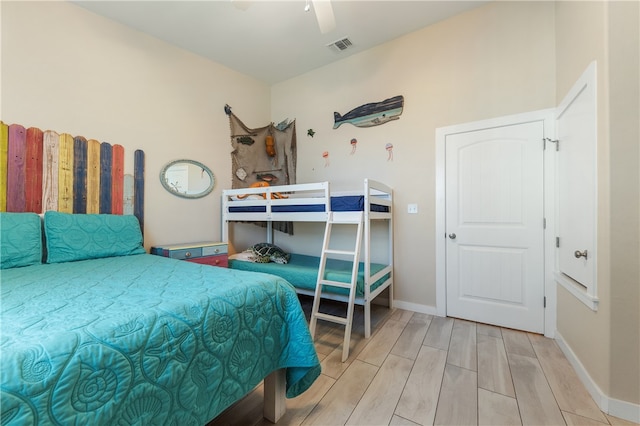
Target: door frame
547, 116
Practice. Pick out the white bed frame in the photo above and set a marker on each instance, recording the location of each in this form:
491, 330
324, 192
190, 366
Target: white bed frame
319, 193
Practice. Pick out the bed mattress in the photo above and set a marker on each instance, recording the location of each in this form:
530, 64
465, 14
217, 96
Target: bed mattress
144, 339
348, 203
302, 272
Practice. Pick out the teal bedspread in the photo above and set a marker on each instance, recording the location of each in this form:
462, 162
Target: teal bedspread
302, 272
144, 339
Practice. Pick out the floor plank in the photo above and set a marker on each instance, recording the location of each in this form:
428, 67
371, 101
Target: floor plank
439, 333
458, 404
576, 420
379, 401
410, 341
493, 367
489, 330
399, 421
517, 342
420, 396
497, 409
462, 347
340, 401
535, 399
382, 342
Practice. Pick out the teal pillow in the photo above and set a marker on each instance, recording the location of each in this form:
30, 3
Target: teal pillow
89, 236
20, 240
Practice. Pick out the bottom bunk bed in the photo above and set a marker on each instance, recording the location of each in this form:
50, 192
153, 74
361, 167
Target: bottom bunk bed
107, 334
302, 272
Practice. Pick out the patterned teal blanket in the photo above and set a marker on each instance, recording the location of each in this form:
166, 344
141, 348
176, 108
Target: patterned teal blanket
143, 339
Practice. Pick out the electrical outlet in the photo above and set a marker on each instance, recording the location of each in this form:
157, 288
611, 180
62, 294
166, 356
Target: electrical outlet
412, 208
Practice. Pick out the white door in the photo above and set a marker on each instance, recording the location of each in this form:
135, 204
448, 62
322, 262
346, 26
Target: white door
494, 224
577, 189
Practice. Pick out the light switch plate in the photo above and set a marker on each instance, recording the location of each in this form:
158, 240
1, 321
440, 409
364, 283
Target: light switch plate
412, 208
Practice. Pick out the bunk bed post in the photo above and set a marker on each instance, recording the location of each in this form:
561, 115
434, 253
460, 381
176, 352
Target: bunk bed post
225, 220
270, 232
367, 260
391, 259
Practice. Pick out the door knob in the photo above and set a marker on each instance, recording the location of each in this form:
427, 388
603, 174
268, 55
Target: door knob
452, 236
578, 254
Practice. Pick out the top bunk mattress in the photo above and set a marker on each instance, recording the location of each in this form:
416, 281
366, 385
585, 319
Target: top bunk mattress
344, 203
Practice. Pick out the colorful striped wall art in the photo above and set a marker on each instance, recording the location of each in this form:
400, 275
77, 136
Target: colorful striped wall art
47, 170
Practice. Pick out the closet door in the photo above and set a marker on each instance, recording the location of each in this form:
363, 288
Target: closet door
494, 225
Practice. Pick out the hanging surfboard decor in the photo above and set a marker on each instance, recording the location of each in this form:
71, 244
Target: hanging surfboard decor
372, 114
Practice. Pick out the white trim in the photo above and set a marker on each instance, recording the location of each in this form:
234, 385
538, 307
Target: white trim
547, 117
615, 407
577, 290
414, 307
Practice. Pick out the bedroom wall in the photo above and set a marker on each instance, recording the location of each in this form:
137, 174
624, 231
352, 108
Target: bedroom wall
68, 70
580, 33
607, 341
495, 60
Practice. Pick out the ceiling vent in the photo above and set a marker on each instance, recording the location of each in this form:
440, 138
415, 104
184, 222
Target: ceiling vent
340, 45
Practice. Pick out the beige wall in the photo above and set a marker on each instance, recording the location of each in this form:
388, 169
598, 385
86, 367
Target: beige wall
580, 39
66, 69
624, 107
607, 342
493, 61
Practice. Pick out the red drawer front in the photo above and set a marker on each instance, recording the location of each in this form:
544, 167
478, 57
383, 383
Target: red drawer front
221, 260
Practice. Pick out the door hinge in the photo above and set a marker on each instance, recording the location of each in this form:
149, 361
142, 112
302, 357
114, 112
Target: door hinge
544, 302
556, 141
558, 242
544, 223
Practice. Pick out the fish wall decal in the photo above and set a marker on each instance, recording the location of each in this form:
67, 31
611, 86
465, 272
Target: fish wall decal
371, 114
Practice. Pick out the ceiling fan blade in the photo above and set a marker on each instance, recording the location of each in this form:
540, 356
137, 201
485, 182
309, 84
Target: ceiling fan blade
324, 15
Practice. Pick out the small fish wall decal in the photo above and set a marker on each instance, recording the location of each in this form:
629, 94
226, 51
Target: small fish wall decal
245, 140
372, 114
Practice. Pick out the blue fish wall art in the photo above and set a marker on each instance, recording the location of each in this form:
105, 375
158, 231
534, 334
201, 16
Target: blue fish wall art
372, 114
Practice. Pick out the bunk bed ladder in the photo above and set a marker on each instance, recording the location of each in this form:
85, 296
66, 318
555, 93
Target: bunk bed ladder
341, 218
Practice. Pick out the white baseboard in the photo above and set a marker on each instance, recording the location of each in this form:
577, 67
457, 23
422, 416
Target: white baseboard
414, 307
615, 407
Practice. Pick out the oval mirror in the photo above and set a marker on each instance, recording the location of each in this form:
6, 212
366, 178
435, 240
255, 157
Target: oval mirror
187, 179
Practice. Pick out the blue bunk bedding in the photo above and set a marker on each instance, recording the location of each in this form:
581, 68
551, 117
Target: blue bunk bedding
348, 203
302, 272
144, 339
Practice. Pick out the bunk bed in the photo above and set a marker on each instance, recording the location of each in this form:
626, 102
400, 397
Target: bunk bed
314, 202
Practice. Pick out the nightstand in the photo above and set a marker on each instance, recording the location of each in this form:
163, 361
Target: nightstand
206, 253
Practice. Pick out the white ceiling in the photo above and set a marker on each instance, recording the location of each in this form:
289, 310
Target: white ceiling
273, 41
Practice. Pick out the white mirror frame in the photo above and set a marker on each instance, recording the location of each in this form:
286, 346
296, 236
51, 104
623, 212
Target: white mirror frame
167, 186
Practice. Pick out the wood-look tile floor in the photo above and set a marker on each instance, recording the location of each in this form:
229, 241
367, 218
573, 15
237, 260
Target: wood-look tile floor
418, 369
